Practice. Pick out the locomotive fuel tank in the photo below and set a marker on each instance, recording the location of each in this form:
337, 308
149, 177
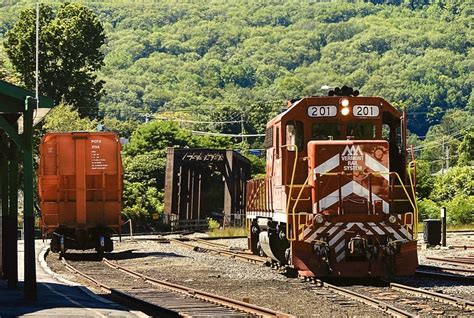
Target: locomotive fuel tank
80, 189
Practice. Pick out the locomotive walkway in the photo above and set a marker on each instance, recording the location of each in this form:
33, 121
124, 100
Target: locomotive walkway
55, 298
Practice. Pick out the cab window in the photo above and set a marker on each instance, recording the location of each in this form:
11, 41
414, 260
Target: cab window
325, 131
295, 134
268, 143
361, 130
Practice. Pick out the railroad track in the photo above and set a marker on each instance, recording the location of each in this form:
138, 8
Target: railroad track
443, 298
221, 249
412, 306
454, 260
357, 296
394, 301
442, 268
164, 299
444, 275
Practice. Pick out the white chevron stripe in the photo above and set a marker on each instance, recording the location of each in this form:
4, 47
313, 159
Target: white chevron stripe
376, 228
348, 189
341, 257
328, 165
333, 229
307, 230
340, 246
333, 240
405, 232
392, 231
376, 166
311, 238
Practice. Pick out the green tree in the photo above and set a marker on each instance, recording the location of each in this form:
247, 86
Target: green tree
65, 118
460, 209
424, 179
69, 53
456, 181
428, 209
466, 150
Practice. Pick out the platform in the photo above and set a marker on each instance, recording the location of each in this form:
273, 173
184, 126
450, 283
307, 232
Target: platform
55, 298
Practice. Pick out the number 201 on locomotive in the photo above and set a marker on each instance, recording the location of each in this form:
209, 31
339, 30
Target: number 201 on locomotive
338, 198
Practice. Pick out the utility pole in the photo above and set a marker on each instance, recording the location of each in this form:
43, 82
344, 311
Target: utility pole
443, 159
447, 156
242, 131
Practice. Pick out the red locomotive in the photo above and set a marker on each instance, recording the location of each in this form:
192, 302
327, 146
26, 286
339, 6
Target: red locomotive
338, 198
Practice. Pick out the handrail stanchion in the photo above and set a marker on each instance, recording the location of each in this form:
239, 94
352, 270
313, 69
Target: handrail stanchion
291, 187
415, 226
296, 204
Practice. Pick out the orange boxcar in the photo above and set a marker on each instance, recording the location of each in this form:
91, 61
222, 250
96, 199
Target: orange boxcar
80, 189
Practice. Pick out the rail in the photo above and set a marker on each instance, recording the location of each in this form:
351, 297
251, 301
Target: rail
213, 298
383, 306
444, 276
452, 269
126, 298
219, 250
455, 261
462, 303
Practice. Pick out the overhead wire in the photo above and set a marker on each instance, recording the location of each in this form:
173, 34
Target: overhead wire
199, 122
445, 139
208, 133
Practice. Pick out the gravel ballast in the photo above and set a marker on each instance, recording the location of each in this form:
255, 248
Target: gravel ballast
258, 284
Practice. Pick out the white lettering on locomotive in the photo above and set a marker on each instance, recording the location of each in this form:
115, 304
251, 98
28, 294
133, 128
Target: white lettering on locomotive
352, 151
352, 155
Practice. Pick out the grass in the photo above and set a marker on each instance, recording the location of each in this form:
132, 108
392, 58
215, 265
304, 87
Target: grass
228, 232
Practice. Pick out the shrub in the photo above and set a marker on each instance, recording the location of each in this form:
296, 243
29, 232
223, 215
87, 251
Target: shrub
213, 225
428, 209
456, 181
460, 210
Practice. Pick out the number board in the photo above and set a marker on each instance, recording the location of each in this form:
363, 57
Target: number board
365, 111
322, 111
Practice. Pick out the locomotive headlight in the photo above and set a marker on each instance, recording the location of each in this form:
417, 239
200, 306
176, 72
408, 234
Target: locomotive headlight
392, 219
344, 102
319, 218
345, 111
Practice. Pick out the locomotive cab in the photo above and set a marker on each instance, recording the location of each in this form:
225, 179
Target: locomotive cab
337, 199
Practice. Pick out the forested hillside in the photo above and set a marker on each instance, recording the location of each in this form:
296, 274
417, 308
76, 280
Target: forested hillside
228, 63
226, 59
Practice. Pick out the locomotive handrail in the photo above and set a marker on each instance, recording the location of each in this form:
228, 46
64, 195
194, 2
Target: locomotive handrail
293, 212
401, 183
291, 187
415, 226
292, 174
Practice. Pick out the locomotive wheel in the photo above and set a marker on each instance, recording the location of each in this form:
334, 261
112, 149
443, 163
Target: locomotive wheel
254, 231
260, 250
100, 247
